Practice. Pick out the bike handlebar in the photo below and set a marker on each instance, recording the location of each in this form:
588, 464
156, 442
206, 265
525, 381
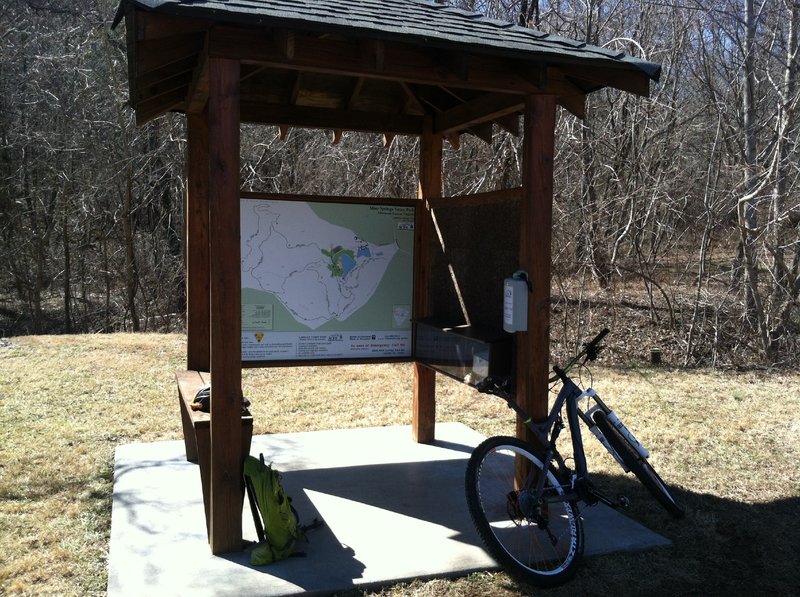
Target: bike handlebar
592, 348
501, 386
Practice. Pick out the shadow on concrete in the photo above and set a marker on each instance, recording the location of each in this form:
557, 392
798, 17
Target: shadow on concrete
394, 510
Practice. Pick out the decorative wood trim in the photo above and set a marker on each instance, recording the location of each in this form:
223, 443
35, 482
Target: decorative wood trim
323, 362
332, 199
225, 304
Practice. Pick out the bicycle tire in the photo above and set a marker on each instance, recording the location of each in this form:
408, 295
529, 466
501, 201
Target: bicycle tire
540, 553
638, 465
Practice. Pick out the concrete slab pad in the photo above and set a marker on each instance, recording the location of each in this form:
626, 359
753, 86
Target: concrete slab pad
394, 510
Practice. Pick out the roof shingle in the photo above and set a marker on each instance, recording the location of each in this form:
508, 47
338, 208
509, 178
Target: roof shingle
417, 21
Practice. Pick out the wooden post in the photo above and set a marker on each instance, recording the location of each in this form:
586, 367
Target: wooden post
533, 346
423, 418
225, 304
198, 333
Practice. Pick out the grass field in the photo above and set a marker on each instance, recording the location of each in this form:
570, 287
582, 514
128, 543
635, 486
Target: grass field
728, 442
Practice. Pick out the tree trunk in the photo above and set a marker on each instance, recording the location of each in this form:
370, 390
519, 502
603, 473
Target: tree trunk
131, 275
784, 293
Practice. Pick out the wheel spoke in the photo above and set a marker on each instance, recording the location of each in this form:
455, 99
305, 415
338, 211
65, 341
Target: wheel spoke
539, 543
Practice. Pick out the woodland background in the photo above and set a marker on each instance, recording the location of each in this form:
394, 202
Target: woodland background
677, 217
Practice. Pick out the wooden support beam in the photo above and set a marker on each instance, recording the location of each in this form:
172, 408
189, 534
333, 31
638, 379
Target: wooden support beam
355, 92
483, 109
635, 82
375, 50
166, 72
197, 96
454, 140
337, 137
151, 25
154, 107
510, 124
225, 286
533, 346
423, 419
295, 87
283, 131
387, 140
486, 198
399, 62
284, 42
482, 131
198, 333
568, 95
157, 53
165, 87
322, 118
574, 104
412, 102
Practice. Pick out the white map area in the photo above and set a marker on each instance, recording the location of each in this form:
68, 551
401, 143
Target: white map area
319, 271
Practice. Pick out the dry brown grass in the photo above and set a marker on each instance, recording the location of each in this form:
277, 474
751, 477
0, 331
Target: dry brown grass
729, 443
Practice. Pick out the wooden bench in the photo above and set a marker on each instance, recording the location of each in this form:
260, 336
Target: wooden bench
197, 430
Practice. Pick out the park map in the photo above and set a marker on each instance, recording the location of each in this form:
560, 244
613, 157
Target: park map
325, 280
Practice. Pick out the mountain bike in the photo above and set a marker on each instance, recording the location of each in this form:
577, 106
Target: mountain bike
524, 499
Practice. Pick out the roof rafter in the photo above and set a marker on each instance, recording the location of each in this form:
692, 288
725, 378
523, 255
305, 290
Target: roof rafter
336, 57
480, 110
321, 118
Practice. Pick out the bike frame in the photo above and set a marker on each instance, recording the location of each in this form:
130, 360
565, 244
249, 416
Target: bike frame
546, 433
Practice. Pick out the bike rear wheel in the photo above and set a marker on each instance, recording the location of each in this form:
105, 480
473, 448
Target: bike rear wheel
639, 465
539, 543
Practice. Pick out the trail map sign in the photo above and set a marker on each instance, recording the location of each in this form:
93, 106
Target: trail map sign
326, 280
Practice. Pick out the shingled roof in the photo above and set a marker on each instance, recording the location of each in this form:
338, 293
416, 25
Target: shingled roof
451, 52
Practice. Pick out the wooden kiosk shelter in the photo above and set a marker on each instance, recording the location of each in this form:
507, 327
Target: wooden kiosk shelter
395, 67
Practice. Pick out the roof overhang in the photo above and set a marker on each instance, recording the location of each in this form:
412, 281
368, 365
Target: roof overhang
366, 65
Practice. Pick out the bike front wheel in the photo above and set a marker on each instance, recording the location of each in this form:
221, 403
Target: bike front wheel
638, 465
538, 541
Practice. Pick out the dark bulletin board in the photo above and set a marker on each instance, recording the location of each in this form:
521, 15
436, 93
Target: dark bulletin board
481, 249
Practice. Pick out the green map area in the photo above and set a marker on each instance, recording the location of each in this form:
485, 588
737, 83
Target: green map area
326, 266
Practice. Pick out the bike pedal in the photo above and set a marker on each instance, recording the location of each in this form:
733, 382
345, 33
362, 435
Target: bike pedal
624, 502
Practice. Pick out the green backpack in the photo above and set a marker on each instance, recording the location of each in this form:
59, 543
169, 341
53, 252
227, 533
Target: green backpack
281, 528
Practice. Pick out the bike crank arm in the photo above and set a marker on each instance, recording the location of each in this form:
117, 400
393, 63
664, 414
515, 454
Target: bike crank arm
591, 496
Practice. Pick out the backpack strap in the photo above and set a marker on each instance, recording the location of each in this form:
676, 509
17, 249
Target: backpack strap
251, 497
